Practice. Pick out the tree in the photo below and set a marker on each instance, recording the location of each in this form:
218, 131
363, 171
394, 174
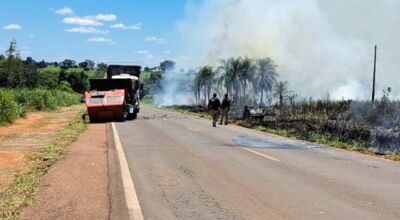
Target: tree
87, 65
67, 63
281, 92
235, 75
31, 75
155, 80
167, 65
12, 50
247, 71
102, 66
204, 80
42, 64
78, 80
29, 61
266, 77
225, 74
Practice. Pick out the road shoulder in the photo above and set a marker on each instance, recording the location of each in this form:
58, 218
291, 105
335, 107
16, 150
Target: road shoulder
77, 186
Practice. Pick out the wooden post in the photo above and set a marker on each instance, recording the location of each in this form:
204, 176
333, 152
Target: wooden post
373, 82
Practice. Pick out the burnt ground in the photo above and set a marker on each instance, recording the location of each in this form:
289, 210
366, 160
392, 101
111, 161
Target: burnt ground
27, 134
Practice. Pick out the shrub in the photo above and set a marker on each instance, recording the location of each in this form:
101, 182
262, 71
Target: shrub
8, 107
43, 99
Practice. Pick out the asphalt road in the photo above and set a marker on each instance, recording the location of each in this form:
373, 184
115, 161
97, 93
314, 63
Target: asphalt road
183, 168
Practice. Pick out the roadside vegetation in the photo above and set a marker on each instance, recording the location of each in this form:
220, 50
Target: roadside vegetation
348, 124
23, 189
28, 85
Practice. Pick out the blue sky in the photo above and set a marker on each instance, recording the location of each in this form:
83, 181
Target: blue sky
113, 31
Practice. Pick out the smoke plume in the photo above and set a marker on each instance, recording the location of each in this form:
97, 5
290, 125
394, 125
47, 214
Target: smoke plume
319, 45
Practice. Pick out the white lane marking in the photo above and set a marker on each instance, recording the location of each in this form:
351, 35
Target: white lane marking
132, 202
261, 154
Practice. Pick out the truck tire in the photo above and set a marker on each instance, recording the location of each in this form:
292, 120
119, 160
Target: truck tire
131, 116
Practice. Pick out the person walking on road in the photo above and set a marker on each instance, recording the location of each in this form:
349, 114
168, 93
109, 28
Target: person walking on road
225, 107
214, 106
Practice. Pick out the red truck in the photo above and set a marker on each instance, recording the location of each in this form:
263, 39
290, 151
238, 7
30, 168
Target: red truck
116, 98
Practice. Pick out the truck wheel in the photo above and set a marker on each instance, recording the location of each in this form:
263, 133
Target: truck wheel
131, 116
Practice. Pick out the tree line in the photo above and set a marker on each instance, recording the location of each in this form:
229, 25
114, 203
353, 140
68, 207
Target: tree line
65, 75
249, 81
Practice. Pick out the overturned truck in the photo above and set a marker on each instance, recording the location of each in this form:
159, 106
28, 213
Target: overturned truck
115, 98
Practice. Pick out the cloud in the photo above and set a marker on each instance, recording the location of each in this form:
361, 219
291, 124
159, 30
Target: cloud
146, 54
105, 17
13, 27
156, 40
142, 52
167, 51
137, 26
100, 40
86, 30
150, 56
86, 21
64, 11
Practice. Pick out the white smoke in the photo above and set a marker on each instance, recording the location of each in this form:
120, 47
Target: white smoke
319, 45
176, 89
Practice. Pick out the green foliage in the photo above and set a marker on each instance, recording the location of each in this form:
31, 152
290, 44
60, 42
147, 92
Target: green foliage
43, 99
18, 73
8, 107
152, 82
78, 80
16, 103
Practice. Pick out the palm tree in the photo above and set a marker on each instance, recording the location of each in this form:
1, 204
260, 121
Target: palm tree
280, 92
225, 74
204, 80
246, 73
235, 75
266, 76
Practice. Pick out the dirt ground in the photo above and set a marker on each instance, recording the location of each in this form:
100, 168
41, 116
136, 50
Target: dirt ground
76, 187
25, 135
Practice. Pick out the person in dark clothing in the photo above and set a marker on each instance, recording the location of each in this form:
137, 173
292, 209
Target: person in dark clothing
246, 113
225, 107
214, 106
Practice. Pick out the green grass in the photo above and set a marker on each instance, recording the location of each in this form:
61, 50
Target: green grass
22, 191
16, 103
147, 101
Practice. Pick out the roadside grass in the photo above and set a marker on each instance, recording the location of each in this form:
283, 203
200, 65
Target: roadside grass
22, 191
187, 112
147, 101
394, 157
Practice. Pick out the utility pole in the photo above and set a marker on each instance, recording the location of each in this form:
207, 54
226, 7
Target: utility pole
373, 83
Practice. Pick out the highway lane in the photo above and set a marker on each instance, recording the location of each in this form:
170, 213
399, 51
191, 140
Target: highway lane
182, 168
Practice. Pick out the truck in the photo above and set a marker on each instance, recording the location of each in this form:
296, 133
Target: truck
115, 98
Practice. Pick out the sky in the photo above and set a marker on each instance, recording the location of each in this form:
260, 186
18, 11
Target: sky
320, 46
131, 31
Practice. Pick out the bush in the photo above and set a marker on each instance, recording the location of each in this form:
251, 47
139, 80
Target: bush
8, 107
43, 99
16, 103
